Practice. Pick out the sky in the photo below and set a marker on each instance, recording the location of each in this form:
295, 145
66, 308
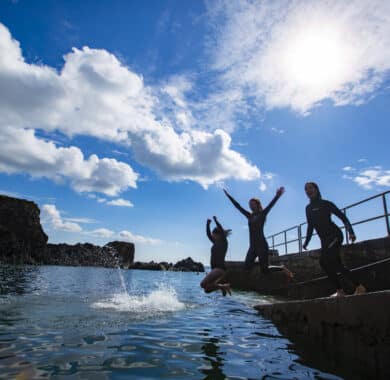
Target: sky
125, 120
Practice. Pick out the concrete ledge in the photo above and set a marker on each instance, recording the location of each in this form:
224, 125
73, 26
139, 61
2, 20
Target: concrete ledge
356, 328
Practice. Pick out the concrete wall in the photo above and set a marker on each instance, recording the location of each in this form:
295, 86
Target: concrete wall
305, 266
353, 330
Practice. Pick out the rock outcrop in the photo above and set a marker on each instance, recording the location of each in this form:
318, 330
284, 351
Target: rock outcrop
80, 255
187, 265
23, 241
21, 233
125, 251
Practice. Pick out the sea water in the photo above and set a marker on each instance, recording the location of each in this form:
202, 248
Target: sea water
96, 323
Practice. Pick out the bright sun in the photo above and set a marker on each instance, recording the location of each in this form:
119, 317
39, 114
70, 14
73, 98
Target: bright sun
315, 58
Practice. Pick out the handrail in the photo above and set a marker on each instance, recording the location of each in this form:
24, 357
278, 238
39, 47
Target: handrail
298, 227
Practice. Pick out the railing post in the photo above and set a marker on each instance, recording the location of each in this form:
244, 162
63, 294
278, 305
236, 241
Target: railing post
300, 238
273, 242
386, 212
346, 230
285, 242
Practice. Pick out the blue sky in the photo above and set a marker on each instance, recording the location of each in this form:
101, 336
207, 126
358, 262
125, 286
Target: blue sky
123, 120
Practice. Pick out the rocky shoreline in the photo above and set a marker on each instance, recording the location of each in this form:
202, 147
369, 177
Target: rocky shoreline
23, 241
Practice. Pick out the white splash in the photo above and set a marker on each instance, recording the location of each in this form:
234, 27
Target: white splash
163, 299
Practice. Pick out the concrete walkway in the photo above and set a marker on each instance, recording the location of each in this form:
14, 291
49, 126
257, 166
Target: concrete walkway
355, 328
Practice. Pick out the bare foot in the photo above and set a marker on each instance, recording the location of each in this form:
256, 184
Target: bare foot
223, 292
225, 288
360, 289
339, 293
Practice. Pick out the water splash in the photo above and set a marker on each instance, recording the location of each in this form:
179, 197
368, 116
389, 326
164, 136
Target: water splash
163, 299
122, 279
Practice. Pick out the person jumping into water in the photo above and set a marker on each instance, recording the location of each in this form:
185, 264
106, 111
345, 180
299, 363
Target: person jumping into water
258, 246
318, 214
218, 237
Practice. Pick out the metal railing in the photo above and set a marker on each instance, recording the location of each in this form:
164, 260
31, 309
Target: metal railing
298, 228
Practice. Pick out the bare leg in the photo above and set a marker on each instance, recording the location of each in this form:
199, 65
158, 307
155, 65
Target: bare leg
212, 283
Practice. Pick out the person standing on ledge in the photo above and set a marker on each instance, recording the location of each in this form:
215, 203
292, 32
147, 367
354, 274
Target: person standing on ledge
318, 214
258, 246
218, 237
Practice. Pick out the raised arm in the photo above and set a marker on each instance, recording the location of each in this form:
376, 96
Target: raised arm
309, 231
219, 225
237, 205
208, 232
279, 193
336, 211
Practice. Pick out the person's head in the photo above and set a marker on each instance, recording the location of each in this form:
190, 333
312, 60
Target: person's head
312, 191
255, 205
218, 233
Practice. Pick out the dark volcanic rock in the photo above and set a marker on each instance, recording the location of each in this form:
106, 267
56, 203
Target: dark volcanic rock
21, 234
125, 251
80, 255
189, 265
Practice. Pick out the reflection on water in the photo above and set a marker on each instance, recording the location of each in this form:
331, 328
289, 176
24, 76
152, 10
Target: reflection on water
79, 323
213, 356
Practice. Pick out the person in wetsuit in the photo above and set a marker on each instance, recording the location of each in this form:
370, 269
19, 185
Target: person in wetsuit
318, 214
219, 248
258, 246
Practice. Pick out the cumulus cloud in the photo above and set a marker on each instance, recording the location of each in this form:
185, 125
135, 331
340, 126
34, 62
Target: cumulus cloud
22, 151
120, 202
52, 217
295, 54
94, 94
129, 236
371, 177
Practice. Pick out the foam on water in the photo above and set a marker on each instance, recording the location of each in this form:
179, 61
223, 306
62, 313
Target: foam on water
163, 299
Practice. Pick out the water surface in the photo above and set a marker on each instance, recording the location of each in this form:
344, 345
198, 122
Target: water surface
96, 323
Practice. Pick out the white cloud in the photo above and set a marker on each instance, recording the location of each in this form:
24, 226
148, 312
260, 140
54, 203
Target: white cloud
266, 180
102, 233
120, 203
52, 217
22, 151
129, 236
369, 178
348, 168
94, 94
296, 54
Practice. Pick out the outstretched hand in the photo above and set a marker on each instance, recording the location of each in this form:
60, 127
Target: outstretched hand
352, 238
280, 191
305, 247
208, 221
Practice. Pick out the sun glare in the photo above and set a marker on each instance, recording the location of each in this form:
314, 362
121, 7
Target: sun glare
315, 58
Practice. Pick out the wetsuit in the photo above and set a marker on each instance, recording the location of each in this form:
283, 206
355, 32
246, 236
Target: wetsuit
318, 214
219, 248
258, 246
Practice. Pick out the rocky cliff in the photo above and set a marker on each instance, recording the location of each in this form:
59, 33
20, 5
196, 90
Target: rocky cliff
23, 241
21, 233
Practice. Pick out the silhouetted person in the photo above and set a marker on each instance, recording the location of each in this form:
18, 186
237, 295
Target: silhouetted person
318, 214
218, 237
258, 246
